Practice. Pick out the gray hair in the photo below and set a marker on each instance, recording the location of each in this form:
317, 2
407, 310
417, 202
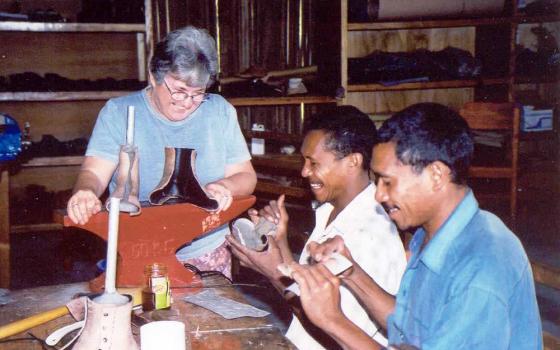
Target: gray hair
190, 54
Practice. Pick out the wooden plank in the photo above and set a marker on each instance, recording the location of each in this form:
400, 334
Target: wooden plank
13, 26
491, 172
273, 101
54, 161
55, 179
64, 120
443, 23
546, 274
282, 161
271, 188
448, 84
81, 55
16, 229
488, 116
204, 329
4, 206
550, 342
383, 102
450, 23
363, 43
5, 265
61, 95
277, 136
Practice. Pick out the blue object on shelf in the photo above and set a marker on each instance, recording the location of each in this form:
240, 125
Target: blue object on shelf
10, 138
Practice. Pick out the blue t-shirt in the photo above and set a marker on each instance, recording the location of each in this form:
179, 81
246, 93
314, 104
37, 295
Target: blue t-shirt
212, 130
471, 287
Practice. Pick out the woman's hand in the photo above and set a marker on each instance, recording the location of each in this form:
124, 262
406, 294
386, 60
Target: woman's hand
82, 206
220, 193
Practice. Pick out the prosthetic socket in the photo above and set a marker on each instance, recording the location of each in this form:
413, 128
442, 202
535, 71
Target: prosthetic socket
179, 183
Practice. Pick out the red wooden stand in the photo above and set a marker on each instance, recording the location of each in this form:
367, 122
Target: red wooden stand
155, 235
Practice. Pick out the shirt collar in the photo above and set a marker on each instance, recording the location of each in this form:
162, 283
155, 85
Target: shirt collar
347, 218
345, 221
433, 255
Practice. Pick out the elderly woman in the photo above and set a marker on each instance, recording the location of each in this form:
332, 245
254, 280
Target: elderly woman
173, 111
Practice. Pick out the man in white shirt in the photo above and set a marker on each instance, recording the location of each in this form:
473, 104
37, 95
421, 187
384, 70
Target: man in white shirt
337, 152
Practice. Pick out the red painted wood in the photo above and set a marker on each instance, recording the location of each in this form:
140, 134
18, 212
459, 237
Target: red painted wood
155, 235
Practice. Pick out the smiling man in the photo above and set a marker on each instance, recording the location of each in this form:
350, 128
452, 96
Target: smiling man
337, 152
468, 283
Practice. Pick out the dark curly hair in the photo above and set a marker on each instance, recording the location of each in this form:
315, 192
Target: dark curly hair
348, 131
428, 132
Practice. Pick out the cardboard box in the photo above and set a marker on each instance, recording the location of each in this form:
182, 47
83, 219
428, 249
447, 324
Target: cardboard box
534, 120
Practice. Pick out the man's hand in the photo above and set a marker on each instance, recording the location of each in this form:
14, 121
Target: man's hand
264, 262
276, 213
319, 294
82, 206
321, 252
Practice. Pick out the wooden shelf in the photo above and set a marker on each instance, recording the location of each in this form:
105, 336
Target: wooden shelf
61, 95
71, 27
449, 23
270, 135
538, 135
521, 19
537, 80
428, 85
282, 161
35, 227
272, 101
276, 189
54, 161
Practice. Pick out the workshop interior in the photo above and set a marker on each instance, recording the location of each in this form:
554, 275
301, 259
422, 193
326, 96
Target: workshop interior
278, 63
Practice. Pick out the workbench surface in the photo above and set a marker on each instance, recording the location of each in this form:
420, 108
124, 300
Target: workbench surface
204, 329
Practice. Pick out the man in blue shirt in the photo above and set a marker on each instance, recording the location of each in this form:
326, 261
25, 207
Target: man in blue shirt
468, 282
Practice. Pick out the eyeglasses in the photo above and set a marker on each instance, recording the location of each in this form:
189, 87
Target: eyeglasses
182, 96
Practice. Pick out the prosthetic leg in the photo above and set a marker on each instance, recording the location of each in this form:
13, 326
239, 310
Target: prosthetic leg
179, 183
127, 181
127, 172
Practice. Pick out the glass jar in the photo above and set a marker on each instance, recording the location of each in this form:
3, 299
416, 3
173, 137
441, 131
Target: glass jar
156, 294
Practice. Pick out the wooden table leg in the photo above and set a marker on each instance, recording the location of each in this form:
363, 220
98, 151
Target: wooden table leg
4, 229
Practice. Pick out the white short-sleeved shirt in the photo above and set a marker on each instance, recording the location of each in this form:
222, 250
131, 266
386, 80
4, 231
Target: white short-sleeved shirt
375, 245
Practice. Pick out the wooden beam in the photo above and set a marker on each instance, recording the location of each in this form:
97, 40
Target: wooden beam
550, 342
546, 274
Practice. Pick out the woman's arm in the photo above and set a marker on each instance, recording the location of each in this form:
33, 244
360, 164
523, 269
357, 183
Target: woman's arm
93, 178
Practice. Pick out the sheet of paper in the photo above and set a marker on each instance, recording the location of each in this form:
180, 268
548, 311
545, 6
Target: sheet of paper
223, 306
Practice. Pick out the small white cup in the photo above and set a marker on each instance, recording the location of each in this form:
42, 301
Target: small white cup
158, 335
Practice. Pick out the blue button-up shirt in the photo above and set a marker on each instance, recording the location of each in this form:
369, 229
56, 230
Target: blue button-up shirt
471, 287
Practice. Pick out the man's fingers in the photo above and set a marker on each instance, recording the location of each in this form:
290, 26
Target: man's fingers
253, 215
282, 206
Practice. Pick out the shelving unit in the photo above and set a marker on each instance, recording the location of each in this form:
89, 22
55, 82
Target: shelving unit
494, 41
289, 165
475, 34
88, 51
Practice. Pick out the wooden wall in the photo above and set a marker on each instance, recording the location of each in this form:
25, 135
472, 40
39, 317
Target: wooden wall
63, 120
67, 8
71, 55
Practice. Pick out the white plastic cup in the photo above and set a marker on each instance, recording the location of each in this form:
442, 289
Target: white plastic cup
158, 335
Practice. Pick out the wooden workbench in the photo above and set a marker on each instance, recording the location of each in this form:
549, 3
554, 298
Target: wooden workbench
205, 329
